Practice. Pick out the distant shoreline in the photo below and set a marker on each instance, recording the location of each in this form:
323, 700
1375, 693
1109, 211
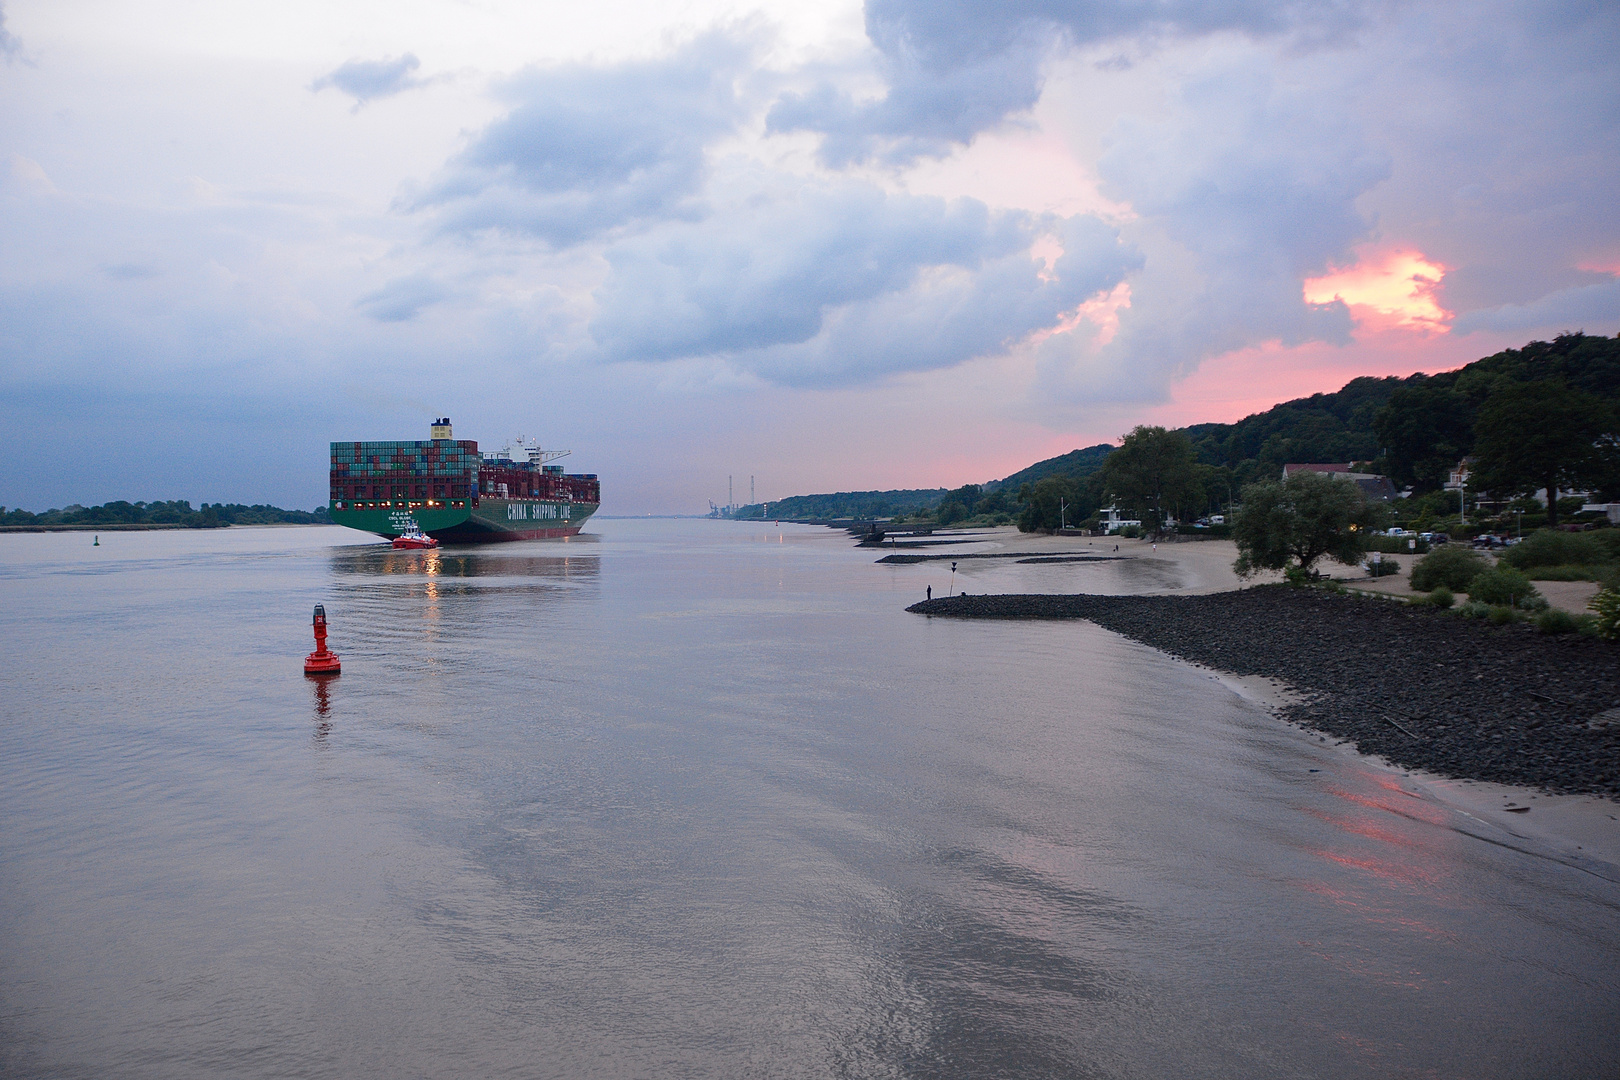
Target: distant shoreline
119, 527
154, 526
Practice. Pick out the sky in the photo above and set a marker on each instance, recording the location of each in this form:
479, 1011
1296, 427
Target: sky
910, 243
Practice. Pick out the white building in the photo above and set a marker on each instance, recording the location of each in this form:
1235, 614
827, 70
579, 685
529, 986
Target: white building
1112, 522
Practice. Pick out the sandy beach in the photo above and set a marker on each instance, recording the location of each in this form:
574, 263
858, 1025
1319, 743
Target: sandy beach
1205, 566
1201, 566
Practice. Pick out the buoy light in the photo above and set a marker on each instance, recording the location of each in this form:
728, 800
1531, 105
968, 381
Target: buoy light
321, 662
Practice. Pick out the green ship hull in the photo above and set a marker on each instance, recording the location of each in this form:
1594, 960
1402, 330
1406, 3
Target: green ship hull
490, 521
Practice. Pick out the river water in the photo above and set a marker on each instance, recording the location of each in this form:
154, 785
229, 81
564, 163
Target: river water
693, 798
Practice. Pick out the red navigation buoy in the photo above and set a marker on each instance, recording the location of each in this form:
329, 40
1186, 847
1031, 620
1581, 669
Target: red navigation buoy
321, 662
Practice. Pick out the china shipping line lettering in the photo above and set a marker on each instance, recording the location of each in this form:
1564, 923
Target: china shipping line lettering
522, 511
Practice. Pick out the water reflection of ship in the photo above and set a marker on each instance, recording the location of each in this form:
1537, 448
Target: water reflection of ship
369, 561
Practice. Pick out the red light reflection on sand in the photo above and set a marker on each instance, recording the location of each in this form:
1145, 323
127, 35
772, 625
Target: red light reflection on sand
1409, 806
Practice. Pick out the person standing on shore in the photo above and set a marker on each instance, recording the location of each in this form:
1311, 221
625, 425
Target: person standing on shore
930, 592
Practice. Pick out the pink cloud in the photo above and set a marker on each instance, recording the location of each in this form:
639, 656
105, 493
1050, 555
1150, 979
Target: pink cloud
1386, 288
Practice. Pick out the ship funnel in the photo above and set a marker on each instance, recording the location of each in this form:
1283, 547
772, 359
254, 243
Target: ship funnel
440, 428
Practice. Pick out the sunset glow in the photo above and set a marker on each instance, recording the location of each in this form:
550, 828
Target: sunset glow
1101, 311
1386, 288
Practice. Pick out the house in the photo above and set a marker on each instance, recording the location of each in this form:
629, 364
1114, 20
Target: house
1376, 487
1111, 522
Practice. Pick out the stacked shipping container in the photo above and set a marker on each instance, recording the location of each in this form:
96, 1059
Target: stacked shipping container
506, 479
441, 471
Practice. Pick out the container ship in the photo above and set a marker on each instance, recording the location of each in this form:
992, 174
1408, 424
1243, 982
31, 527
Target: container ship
448, 490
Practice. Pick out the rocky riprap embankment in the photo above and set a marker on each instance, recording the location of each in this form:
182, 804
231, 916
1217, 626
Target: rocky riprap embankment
1423, 688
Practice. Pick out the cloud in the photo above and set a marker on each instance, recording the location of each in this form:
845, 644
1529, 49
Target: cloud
585, 150
929, 108
402, 298
10, 46
1586, 307
824, 283
365, 80
1246, 187
956, 68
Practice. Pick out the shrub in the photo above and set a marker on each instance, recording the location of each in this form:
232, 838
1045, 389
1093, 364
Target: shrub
1554, 621
1451, 565
1500, 615
1131, 532
1606, 606
1502, 586
1586, 625
1474, 609
1550, 547
1383, 569
1442, 598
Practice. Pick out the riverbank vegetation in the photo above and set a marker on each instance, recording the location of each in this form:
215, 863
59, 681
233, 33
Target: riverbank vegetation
177, 512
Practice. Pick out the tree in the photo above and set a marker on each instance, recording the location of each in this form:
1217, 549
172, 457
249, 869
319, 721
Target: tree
1541, 435
1153, 468
1425, 430
968, 495
1046, 501
1297, 521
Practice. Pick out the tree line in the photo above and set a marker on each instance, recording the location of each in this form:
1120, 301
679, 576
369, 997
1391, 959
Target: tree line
1538, 415
1546, 416
173, 512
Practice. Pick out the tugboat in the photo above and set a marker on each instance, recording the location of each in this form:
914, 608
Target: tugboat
414, 537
